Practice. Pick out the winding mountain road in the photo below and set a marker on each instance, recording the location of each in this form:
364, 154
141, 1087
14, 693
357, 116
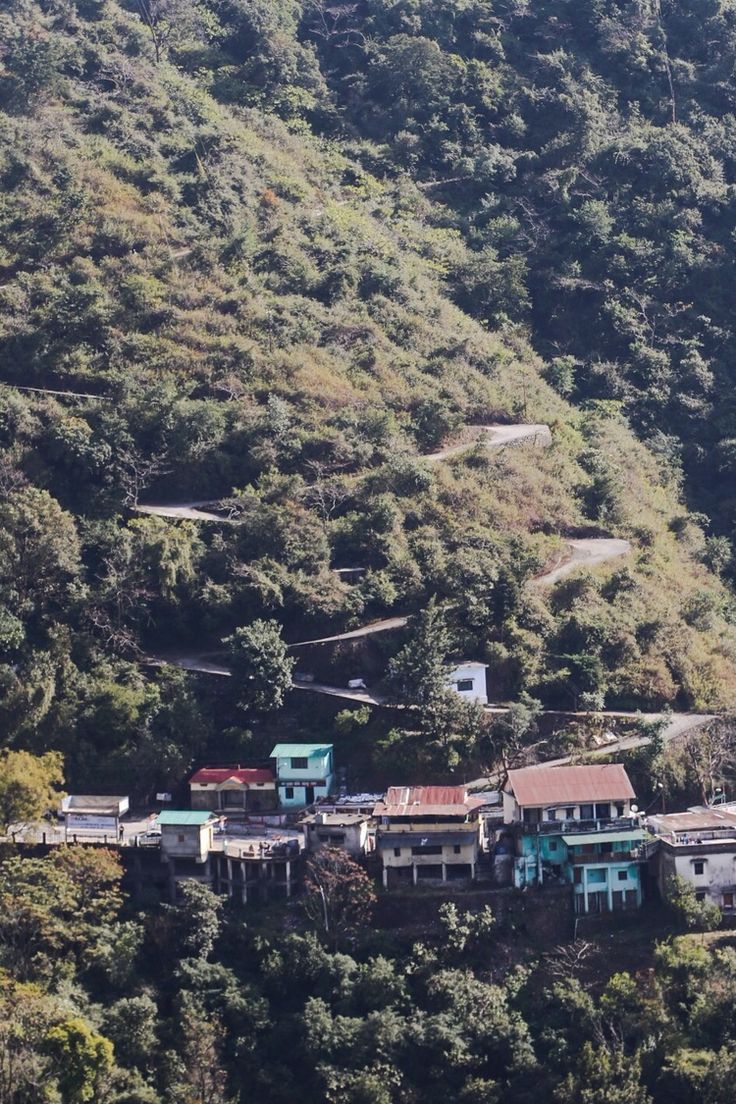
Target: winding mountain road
496, 436
493, 436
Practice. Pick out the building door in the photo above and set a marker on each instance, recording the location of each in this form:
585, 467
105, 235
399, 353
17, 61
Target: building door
309, 794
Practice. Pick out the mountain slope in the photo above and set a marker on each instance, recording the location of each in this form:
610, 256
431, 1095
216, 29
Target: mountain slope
265, 320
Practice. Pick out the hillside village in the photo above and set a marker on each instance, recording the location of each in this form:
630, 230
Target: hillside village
250, 829
367, 552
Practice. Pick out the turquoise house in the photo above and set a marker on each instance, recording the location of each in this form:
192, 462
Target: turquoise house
577, 826
304, 773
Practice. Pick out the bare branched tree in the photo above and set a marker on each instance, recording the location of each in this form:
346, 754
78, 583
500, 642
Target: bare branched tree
710, 756
569, 959
137, 472
334, 23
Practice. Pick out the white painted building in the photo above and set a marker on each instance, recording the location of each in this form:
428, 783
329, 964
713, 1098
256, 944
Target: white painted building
699, 846
469, 680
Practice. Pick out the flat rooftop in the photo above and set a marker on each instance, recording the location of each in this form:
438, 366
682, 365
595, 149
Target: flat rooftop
705, 819
335, 820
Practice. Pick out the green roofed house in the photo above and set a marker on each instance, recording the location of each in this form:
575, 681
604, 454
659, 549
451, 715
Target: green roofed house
186, 834
304, 773
577, 825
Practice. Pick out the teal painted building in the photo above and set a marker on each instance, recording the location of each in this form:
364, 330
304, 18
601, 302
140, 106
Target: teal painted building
304, 773
577, 826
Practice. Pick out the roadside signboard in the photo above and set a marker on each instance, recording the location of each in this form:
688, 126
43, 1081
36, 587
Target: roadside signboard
82, 821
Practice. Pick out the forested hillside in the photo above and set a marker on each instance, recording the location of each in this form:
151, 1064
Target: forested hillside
272, 255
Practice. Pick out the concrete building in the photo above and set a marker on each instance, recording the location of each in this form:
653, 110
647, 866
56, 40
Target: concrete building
233, 790
428, 833
577, 825
260, 864
186, 834
93, 813
257, 868
348, 831
469, 680
304, 773
699, 846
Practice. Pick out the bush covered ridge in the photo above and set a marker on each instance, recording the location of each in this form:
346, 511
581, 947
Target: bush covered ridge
202, 227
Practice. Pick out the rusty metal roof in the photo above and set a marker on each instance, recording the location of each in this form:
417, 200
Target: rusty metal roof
414, 801
536, 786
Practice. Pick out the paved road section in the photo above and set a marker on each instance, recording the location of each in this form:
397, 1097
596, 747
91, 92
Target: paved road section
496, 436
189, 663
387, 624
586, 552
189, 511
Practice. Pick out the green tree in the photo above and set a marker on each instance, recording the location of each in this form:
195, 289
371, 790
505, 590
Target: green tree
39, 551
604, 1077
80, 1059
261, 664
693, 914
195, 920
417, 674
29, 786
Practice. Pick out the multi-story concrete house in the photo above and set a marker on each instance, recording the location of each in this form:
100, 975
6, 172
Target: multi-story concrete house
428, 833
577, 825
699, 846
304, 773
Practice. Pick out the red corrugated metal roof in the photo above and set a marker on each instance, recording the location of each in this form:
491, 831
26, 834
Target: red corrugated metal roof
246, 775
402, 801
570, 785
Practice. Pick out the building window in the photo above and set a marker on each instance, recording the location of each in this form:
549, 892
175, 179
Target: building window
180, 838
603, 811
577, 876
586, 812
606, 848
456, 848
700, 895
569, 812
728, 900
699, 866
623, 875
553, 845
397, 852
620, 809
299, 763
428, 849
288, 792
596, 876
464, 685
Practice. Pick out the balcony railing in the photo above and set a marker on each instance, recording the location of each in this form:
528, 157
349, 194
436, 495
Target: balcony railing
589, 857
569, 827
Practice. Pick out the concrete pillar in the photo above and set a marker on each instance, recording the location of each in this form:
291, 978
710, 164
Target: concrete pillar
414, 873
385, 877
472, 870
444, 872
288, 878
